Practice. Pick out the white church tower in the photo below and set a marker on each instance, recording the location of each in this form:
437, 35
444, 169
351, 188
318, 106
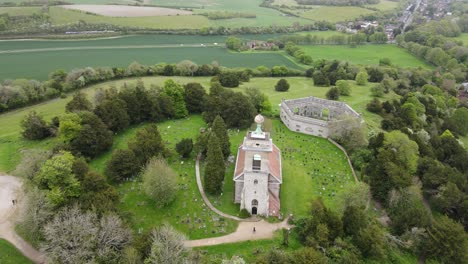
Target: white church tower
258, 175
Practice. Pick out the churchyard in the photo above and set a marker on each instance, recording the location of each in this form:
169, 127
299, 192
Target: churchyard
10, 255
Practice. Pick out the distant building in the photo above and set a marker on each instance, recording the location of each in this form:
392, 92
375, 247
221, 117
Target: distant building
257, 175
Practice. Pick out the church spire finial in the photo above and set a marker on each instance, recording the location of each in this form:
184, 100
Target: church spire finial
259, 119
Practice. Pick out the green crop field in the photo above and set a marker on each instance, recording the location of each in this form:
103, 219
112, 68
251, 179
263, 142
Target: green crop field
365, 54
10, 255
335, 13
19, 59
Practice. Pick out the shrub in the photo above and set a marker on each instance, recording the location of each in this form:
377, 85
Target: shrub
244, 213
333, 93
34, 127
184, 147
159, 181
282, 85
229, 79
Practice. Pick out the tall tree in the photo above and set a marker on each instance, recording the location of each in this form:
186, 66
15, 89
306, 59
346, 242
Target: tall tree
194, 97
219, 128
97, 194
56, 176
176, 93
214, 167
123, 164
113, 113
79, 102
167, 246
146, 144
159, 181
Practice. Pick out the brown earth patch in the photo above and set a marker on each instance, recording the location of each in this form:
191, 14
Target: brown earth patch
128, 11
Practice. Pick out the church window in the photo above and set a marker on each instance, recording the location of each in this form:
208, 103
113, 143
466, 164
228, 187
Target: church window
255, 181
257, 162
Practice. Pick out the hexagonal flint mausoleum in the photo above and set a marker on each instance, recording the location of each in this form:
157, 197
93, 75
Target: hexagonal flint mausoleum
316, 116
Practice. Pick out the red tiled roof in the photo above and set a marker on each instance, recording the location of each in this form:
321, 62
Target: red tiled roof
274, 159
240, 162
274, 205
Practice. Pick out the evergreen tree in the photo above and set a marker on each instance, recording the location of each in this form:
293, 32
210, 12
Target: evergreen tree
177, 95
34, 126
219, 128
113, 113
184, 147
214, 168
123, 164
79, 103
282, 85
147, 143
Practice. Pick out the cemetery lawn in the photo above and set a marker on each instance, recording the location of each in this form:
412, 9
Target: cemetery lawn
11, 142
10, 255
312, 167
188, 212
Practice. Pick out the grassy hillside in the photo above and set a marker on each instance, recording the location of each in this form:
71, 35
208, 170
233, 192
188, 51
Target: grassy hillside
335, 13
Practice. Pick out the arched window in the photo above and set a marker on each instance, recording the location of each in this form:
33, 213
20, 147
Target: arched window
254, 202
255, 181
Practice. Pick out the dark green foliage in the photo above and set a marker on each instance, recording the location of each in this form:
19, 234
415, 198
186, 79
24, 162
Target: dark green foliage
97, 194
259, 100
320, 78
80, 168
308, 255
446, 241
201, 145
321, 228
460, 119
194, 97
146, 144
184, 147
244, 213
93, 138
374, 106
333, 93
282, 85
79, 102
229, 79
34, 127
214, 167
354, 219
233, 43
113, 113
177, 95
219, 128
123, 164
371, 242
407, 211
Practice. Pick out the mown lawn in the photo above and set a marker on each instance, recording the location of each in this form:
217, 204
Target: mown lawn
11, 143
365, 54
10, 255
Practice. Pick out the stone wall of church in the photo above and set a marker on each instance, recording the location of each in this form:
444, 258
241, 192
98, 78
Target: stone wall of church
255, 188
239, 186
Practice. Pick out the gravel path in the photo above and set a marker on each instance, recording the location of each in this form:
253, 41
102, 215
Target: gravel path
244, 232
10, 189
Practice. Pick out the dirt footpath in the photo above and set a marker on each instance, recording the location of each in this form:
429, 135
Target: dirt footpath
10, 189
128, 11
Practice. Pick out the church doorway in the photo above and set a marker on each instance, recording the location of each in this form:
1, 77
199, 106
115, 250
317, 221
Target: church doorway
254, 207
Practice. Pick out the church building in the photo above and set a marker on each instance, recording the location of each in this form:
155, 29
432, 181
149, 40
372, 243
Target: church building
257, 175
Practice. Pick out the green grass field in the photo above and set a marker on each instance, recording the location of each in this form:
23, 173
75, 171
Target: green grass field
19, 11
10, 255
463, 37
62, 16
335, 13
384, 5
188, 212
365, 54
11, 142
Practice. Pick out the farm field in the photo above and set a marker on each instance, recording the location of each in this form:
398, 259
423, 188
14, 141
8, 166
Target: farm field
23, 65
62, 16
127, 11
11, 142
335, 13
19, 11
384, 5
365, 54
10, 255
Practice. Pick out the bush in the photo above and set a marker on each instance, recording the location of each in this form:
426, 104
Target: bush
34, 127
184, 147
159, 181
361, 78
374, 106
282, 85
123, 164
333, 93
229, 79
244, 213
344, 87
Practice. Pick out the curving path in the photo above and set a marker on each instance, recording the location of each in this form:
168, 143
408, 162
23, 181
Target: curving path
10, 188
207, 201
244, 232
